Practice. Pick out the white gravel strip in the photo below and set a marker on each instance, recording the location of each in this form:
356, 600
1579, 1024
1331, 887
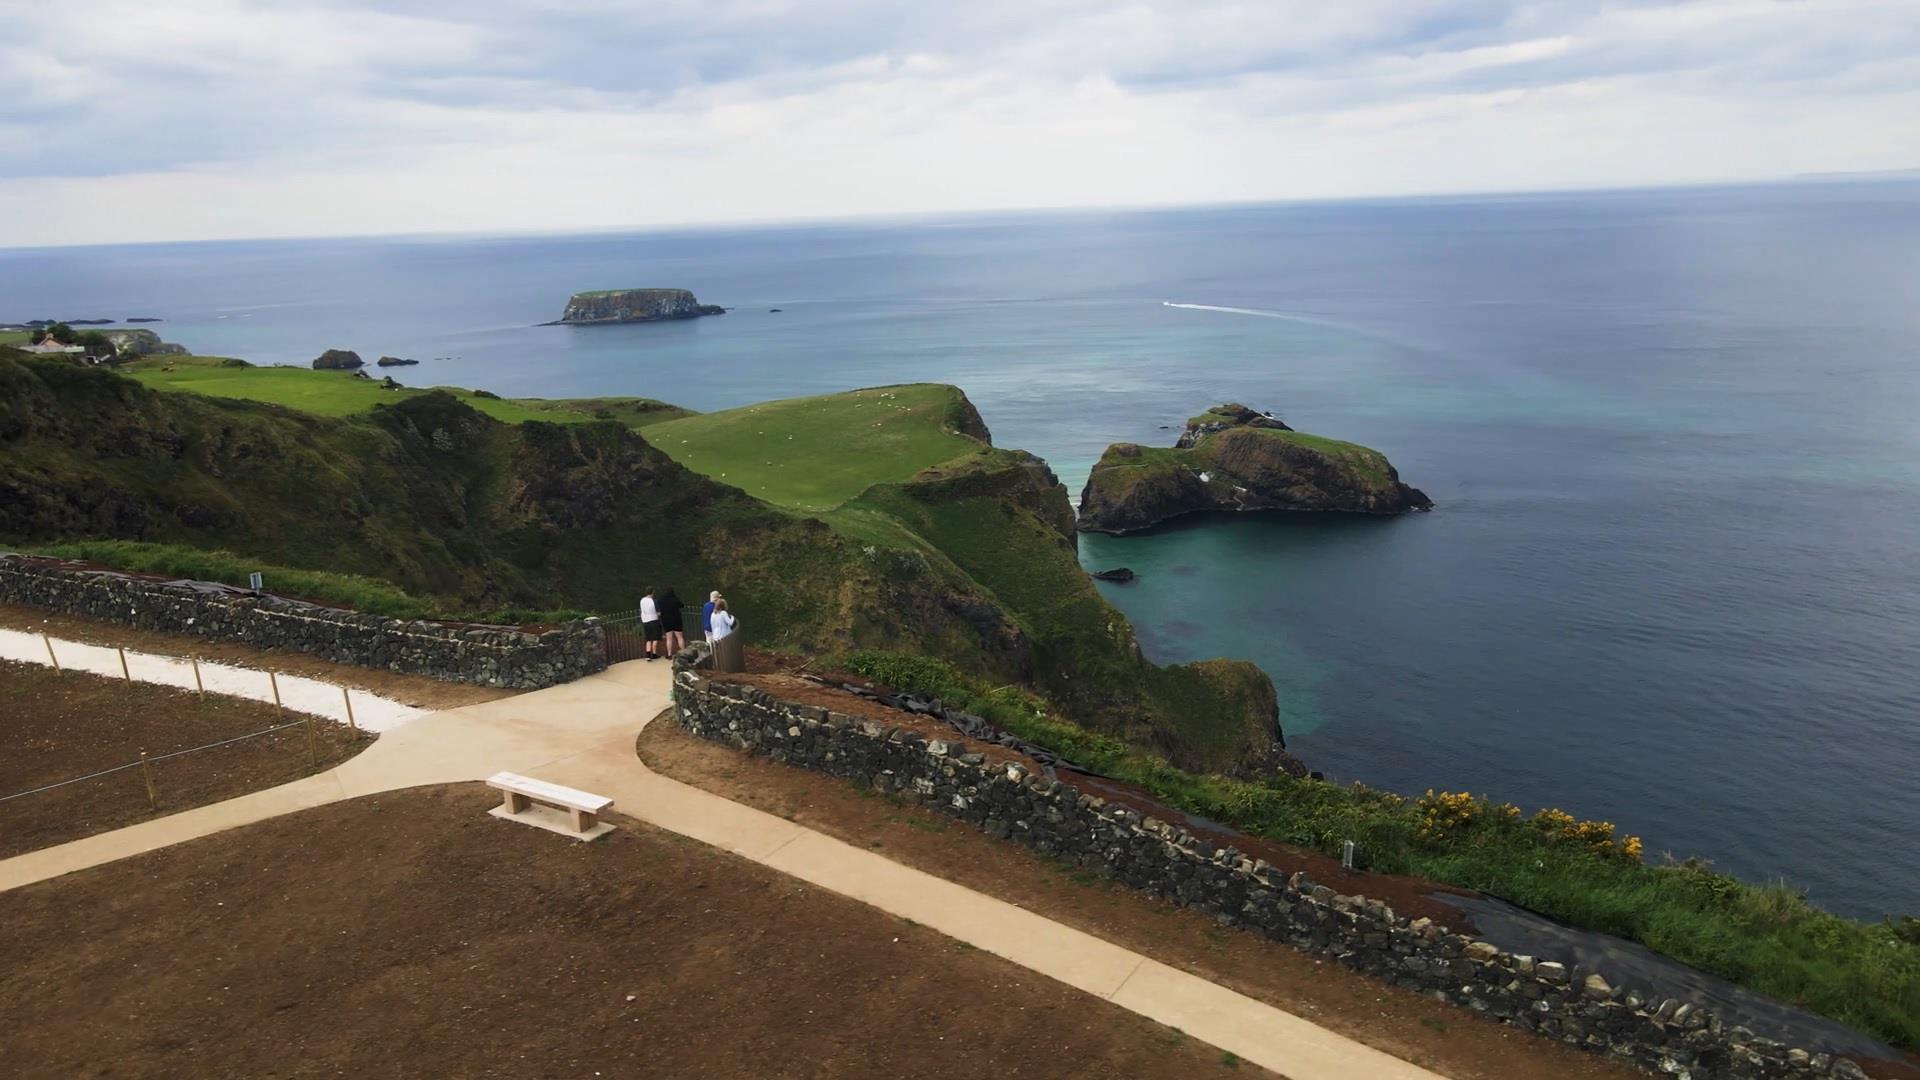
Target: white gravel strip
371, 711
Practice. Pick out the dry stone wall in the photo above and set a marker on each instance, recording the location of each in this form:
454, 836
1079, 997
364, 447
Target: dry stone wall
484, 655
1009, 802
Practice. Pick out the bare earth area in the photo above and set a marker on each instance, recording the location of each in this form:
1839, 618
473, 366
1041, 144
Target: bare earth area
417, 690
1451, 1041
410, 934
58, 726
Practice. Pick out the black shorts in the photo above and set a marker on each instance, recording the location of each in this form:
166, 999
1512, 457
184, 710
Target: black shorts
652, 629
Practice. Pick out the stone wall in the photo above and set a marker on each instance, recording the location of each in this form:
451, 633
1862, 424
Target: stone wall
1009, 802
486, 655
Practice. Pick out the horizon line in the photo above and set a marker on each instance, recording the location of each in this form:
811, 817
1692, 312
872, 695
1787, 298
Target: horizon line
1898, 175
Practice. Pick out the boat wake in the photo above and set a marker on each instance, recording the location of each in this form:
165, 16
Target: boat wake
1303, 320
1238, 311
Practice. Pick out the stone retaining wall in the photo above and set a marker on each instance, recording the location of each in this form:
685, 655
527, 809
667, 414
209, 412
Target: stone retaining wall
1008, 802
487, 656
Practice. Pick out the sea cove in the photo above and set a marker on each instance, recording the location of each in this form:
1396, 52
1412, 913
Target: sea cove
1669, 582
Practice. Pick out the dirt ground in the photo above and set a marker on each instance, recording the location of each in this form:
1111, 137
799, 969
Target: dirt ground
61, 725
417, 690
410, 934
1451, 1041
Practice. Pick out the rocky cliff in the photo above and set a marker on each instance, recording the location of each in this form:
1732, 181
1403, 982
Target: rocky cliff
338, 360
143, 343
634, 305
1233, 458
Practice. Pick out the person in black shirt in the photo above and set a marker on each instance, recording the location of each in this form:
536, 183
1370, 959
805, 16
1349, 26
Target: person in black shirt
669, 605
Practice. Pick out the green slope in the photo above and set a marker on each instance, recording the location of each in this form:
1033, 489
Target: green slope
815, 453
908, 470
902, 528
339, 393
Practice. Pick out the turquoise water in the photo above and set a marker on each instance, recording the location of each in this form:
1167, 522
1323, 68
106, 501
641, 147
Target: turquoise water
1672, 581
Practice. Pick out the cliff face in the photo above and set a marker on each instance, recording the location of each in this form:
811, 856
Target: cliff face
143, 343
634, 305
338, 360
1233, 458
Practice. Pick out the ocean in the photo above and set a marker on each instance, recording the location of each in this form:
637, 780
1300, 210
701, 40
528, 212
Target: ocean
1673, 579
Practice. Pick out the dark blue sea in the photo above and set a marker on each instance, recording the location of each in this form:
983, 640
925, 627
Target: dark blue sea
1674, 577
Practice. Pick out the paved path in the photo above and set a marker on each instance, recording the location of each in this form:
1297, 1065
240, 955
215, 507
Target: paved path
297, 692
582, 734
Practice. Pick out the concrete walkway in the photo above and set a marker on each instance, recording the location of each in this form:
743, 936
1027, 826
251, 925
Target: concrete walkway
582, 734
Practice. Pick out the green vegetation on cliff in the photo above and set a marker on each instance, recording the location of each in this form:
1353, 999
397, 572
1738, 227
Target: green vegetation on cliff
1765, 937
1232, 458
814, 453
901, 526
907, 471
340, 393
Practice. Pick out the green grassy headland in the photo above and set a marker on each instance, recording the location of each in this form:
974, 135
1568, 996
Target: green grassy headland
339, 393
815, 453
892, 526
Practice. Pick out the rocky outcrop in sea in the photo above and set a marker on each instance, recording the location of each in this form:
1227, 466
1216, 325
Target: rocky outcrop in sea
1234, 458
633, 305
338, 360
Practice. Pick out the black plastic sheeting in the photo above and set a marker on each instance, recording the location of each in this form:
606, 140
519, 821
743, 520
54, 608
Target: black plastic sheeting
1633, 966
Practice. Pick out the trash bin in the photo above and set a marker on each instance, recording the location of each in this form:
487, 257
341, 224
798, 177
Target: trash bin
730, 653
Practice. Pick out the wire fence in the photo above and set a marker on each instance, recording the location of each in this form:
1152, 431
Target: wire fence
196, 787
148, 761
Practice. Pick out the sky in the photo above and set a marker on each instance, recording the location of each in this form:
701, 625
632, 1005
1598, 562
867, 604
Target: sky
125, 120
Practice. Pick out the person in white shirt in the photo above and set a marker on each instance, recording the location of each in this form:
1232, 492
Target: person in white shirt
650, 622
723, 620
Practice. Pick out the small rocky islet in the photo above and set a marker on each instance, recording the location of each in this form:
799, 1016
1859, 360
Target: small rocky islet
1232, 457
633, 305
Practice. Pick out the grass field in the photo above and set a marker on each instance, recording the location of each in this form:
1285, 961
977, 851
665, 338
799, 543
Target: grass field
815, 453
16, 337
338, 393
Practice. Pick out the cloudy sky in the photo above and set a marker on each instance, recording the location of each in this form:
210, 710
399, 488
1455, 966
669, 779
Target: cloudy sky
164, 119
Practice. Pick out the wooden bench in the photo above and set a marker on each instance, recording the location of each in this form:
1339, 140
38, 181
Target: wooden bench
523, 791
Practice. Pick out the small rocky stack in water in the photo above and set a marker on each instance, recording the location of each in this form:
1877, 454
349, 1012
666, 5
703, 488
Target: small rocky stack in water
338, 360
634, 305
1234, 458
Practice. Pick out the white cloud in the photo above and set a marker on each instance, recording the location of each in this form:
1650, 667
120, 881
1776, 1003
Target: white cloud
236, 118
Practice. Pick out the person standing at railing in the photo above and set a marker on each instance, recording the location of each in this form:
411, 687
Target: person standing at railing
650, 623
670, 609
706, 615
729, 651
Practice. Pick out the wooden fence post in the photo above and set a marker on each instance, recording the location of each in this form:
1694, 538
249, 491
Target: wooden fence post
146, 772
344, 697
313, 746
48, 642
198, 687
124, 673
274, 681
